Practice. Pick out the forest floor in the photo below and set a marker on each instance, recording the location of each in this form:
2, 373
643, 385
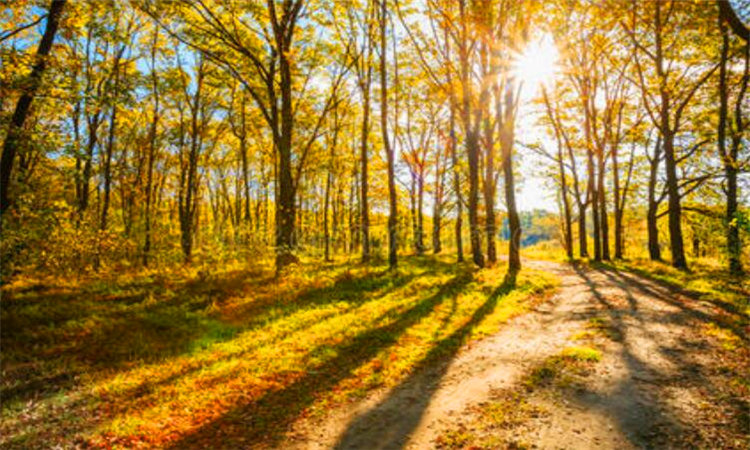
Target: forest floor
228, 356
351, 356
612, 361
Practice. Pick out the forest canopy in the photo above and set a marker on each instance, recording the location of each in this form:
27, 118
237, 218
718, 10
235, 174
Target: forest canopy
157, 132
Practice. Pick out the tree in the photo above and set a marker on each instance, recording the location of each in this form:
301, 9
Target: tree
730, 157
15, 131
667, 90
392, 195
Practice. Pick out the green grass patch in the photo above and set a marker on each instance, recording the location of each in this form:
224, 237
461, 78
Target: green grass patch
582, 354
597, 327
172, 358
563, 369
547, 251
706, 278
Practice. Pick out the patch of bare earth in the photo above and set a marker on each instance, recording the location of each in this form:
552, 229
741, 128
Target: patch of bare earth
652, 372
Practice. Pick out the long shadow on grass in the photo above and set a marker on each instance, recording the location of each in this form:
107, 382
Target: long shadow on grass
732, 309
263, 418
33, 329
129, 399
389, 424
667, 293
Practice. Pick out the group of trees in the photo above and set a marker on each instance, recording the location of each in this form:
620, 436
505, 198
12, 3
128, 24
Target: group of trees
133, 131
644, 100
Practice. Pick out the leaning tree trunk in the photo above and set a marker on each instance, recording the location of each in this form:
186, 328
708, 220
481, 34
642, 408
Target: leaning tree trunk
15, 129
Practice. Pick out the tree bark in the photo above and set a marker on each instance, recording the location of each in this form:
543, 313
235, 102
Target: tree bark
654, 250
603, 216
364, 84
730, 158
454, 162
471, 138
20, 114
507, 136
107, 169
489, 165
392, 199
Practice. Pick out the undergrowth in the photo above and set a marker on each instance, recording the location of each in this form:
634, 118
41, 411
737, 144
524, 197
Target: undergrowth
181, 359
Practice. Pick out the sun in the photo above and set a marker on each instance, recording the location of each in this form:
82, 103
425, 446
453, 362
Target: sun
537, 64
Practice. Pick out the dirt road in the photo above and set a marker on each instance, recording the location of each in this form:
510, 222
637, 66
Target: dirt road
661, 382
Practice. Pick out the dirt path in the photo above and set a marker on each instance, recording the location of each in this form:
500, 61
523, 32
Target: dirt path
655, 387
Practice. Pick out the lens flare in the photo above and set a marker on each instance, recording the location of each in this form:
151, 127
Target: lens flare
537, 64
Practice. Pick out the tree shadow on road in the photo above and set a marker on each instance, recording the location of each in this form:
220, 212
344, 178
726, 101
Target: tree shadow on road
264, 419
389, 424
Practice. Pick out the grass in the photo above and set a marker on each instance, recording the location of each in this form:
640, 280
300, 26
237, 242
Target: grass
547, 251
194, 359
707, 278
597, 327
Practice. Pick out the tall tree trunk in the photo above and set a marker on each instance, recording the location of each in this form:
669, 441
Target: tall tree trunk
287, 205
568, 232
593, 198
15, 129
151, 156
365, 79
88, 162
559, 135
107, 169
472, 144
329, 186
730, 158
420, 212
507, 136
326, 204
489, 164
618, 213
456, 170
676, 242
734, 241
437, 211
654, 250
602, 197
392, 200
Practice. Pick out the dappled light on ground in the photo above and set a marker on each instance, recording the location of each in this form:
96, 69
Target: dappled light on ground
640, 365
232, 357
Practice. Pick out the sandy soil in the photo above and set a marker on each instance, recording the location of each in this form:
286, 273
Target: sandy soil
657, 385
